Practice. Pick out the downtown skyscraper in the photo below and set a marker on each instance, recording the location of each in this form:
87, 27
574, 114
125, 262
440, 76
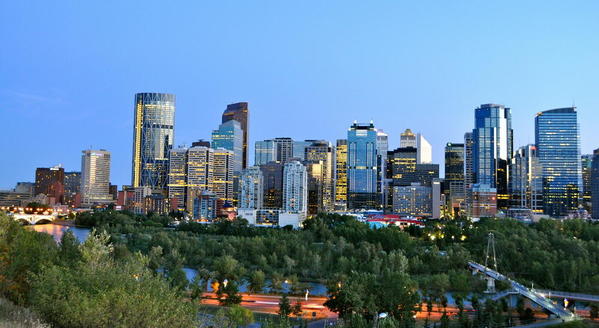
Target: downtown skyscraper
362, 169
95, 177
492, 150
153, 137
558, 149
240, 112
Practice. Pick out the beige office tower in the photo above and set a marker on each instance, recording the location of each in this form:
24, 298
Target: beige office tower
177, 177
222, 174
341, 174
95, 177
199, 172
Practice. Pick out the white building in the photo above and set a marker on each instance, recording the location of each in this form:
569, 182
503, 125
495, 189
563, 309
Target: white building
295, 188
95, 177
251, 188
423, 147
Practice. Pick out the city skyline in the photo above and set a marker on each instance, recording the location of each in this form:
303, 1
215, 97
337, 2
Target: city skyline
371, 71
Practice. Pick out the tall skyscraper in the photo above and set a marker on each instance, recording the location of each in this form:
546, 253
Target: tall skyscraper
492, 149
469, 175
526, 184
284, 149
299, 149
265, 152
200, 172
50, 182
321, 187
153, 136
177, 178
404, 168
295, 188
240, 112
72, 187
95, 177
595, 185
251, 185
558, 148
587, 168
341, 174
229, 135
222, 174
362, 166
423, 147
454, 178
382, 147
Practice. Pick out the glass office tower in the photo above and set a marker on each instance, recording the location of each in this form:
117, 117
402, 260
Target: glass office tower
492, 149
341, 174
558, 148
240, 112
362, 166
454, 178
153, 136
229, 135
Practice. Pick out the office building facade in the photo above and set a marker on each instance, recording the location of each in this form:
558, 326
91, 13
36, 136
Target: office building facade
153, 137
362, 169
526, 183
240, 112
558, 149
251, 188
295, 188
95, 177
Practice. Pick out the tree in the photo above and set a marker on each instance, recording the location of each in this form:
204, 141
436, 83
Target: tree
240, 316
231, 293
256, 283
296, 310
594, 312
285, 309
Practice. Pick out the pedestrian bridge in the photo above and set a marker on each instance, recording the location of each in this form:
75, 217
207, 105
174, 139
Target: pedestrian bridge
518, 289
32, 219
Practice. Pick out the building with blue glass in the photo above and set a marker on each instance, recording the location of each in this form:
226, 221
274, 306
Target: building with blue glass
557, 139
492, 149
153, 136
229, 135
362, 168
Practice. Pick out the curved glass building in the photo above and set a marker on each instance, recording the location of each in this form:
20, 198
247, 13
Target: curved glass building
558, 149
153, 136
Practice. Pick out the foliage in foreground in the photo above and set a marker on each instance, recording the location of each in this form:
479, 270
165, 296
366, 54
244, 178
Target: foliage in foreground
72, 285
13, 316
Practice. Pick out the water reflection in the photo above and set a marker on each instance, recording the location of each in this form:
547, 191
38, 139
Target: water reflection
57, 231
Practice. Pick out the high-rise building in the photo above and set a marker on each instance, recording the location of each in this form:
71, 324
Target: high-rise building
50, 182
95, 177
265, 152
240, 112
341, 174
454, 178
382, 148
295, 188
200, 172
362, 169
251, 186
414, 200
72, 188
177, 178
284, 149
526, 183
222, 174
273, 184
558, 148
229, 135
321, 183
423, 147
299, 149
595, 185
587, 168
153, 136
469, 175
404, 169
492, 149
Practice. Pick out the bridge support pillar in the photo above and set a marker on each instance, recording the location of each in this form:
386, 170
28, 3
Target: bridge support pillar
490, 286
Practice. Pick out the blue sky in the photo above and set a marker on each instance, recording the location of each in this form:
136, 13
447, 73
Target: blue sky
69, 70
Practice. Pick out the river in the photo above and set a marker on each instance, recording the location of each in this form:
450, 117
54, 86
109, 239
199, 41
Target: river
57, 231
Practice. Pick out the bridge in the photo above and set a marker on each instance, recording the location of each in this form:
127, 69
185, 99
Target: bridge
32, 219
518, 289
568, 295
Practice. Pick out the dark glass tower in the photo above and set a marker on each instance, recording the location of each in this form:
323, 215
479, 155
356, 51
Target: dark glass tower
558, 149
492, 149
240, 113
153, 136
595, 185
454, 177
